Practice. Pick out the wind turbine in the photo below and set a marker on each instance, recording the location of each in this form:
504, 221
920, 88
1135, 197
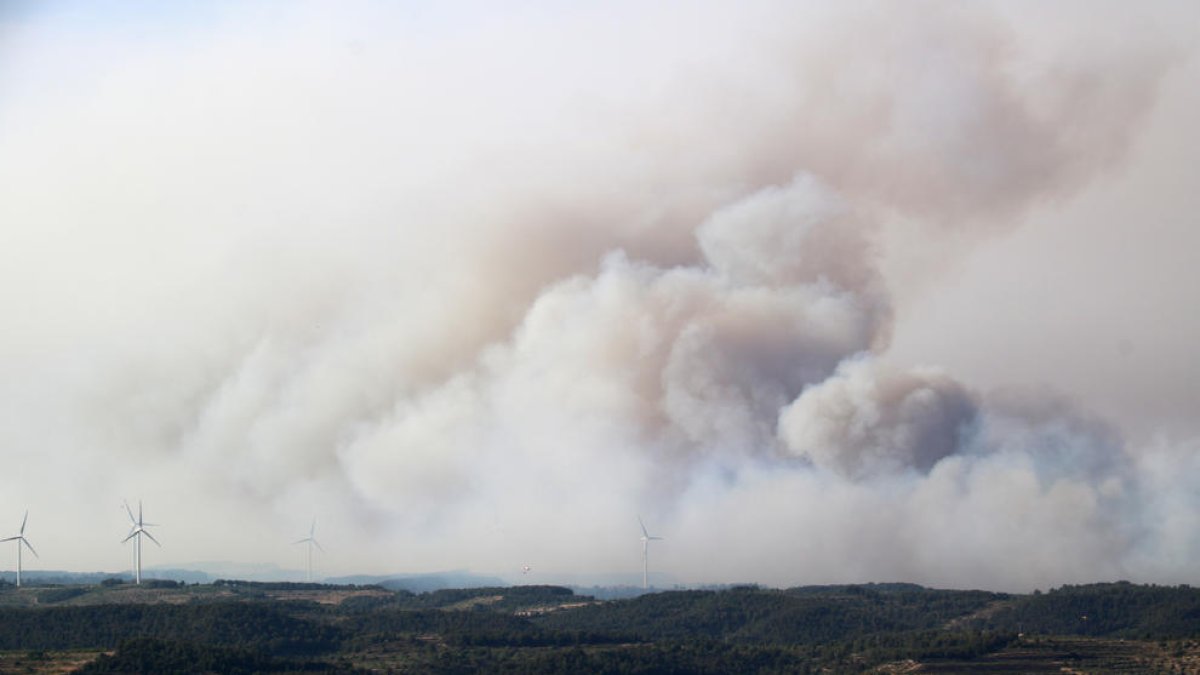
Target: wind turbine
311, 539
136, 532
20, 539
646, 539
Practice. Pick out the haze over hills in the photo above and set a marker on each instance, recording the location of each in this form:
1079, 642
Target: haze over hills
208, 572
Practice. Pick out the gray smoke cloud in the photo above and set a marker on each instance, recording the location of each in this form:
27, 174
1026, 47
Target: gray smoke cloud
859, 422
475, 296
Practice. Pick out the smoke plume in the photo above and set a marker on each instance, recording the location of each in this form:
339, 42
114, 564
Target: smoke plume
477, 290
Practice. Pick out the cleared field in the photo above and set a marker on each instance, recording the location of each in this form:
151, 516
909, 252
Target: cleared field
46, 662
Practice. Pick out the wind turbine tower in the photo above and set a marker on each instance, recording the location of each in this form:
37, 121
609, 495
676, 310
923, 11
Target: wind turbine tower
136, 532
311, 540
20, 539
646, 539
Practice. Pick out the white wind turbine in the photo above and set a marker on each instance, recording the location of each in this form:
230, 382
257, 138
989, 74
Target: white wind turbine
646, 539
311, 540
136, 531
20, 539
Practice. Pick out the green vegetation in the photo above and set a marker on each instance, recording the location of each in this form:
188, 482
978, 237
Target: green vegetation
52, 595
795, 616
152, 655
269, 628
1121, 610
244, 627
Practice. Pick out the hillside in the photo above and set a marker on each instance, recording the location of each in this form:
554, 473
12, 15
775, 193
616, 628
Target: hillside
275, 627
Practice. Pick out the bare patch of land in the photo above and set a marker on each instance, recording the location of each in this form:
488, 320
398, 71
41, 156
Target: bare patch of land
46, 662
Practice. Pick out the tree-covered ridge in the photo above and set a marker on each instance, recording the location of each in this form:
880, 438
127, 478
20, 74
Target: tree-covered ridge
238, 585
1119, 609
270, 628
794, 616
153, 655
500, 598
546, 629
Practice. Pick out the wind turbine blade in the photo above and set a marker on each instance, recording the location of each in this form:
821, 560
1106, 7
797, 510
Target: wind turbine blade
9, 538
29, 546
299, 541
318, 545
644, 532
130, 512
131, 536
656, 538
139, 513
152, 538
312, 531
23, 519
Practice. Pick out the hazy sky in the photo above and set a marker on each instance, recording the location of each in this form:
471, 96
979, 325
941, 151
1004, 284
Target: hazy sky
826, 292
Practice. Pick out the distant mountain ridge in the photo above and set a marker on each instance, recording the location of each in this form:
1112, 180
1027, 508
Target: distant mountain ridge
421, 583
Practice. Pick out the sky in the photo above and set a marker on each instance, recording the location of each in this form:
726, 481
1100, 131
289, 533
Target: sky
823, 292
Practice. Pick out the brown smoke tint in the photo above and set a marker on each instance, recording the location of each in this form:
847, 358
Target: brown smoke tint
477, 288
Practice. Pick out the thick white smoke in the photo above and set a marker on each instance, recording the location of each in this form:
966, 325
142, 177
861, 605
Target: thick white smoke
479, 305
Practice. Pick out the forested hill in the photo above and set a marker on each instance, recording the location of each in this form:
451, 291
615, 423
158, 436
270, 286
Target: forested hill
802, 615
267, 627
821, 613
1122, 610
